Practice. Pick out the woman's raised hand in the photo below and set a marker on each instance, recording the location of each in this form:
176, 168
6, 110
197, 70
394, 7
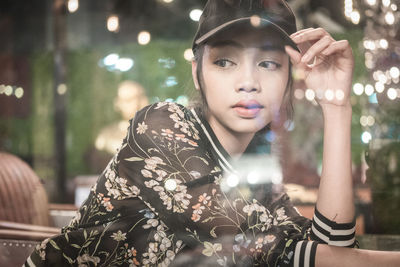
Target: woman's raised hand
327, 65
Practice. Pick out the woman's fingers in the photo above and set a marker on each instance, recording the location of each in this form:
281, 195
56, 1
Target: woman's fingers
309, 35
317, 48
295, 57
342, 45
300, 32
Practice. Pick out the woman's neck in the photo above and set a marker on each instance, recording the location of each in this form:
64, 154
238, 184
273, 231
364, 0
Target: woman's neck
233, 142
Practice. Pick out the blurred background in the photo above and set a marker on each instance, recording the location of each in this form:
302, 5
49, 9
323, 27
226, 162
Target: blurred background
72, 72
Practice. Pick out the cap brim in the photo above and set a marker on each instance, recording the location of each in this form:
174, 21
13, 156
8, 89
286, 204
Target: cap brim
263, 23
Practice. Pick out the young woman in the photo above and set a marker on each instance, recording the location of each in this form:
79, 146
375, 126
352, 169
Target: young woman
163, 198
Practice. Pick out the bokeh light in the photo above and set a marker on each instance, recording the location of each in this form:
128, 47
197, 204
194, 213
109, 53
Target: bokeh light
124, 64
392, 93
394, 72
8, 90
255, 21
310, 94
144, 38
62, 89
358, 89
19, 92
355, 17
366, 137
188, 54
389, 18
379, 87
232, 180
369, 89
113, 23
195, 14
299, 94
73, 5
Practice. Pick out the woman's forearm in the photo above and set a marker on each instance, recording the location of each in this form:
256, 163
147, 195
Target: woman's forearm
335, 196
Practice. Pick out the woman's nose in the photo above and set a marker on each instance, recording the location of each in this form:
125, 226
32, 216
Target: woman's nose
247, 81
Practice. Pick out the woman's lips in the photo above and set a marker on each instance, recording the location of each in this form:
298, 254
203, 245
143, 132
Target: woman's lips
247, 108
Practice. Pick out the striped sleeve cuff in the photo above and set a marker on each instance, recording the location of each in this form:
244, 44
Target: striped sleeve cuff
304, 254
329, 232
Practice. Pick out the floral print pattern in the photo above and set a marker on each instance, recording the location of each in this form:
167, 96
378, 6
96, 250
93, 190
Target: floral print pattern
160, 200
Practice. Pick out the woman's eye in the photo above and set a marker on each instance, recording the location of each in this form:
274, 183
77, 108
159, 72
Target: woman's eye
270, 65
223, 63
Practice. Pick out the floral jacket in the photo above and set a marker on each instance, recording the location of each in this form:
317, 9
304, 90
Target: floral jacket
163, 201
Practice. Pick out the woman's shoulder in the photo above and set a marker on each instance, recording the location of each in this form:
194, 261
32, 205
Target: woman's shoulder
168, 117
162, 109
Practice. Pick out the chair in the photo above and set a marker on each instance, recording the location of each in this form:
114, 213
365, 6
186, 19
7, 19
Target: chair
26, 217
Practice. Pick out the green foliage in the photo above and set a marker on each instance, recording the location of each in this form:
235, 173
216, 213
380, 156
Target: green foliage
384, 178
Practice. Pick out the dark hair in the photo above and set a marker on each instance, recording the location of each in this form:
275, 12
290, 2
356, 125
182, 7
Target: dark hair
202, 106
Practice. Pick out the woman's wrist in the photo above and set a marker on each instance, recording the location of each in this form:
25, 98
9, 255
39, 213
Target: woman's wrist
337, 111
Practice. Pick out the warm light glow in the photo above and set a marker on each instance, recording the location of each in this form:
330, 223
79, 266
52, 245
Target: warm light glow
188, 54
61, 89
73, 5
370, 121
195, 14
393, 7
170, 184
394, 72
310, 94
299, 94
379, 87
232, 180
391, 93
369, 89
358, 88
168, 1
19, 92
255, 21
113, 23
144, 37
389, 18
355, 17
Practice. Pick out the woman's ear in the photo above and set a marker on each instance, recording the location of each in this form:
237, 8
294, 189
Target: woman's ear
194, 75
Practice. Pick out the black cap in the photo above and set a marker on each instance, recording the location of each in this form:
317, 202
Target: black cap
220, 14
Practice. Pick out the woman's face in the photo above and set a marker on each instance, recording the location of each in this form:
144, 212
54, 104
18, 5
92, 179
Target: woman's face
244, 78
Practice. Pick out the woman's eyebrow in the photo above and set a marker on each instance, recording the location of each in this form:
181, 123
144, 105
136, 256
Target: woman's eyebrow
272, 47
